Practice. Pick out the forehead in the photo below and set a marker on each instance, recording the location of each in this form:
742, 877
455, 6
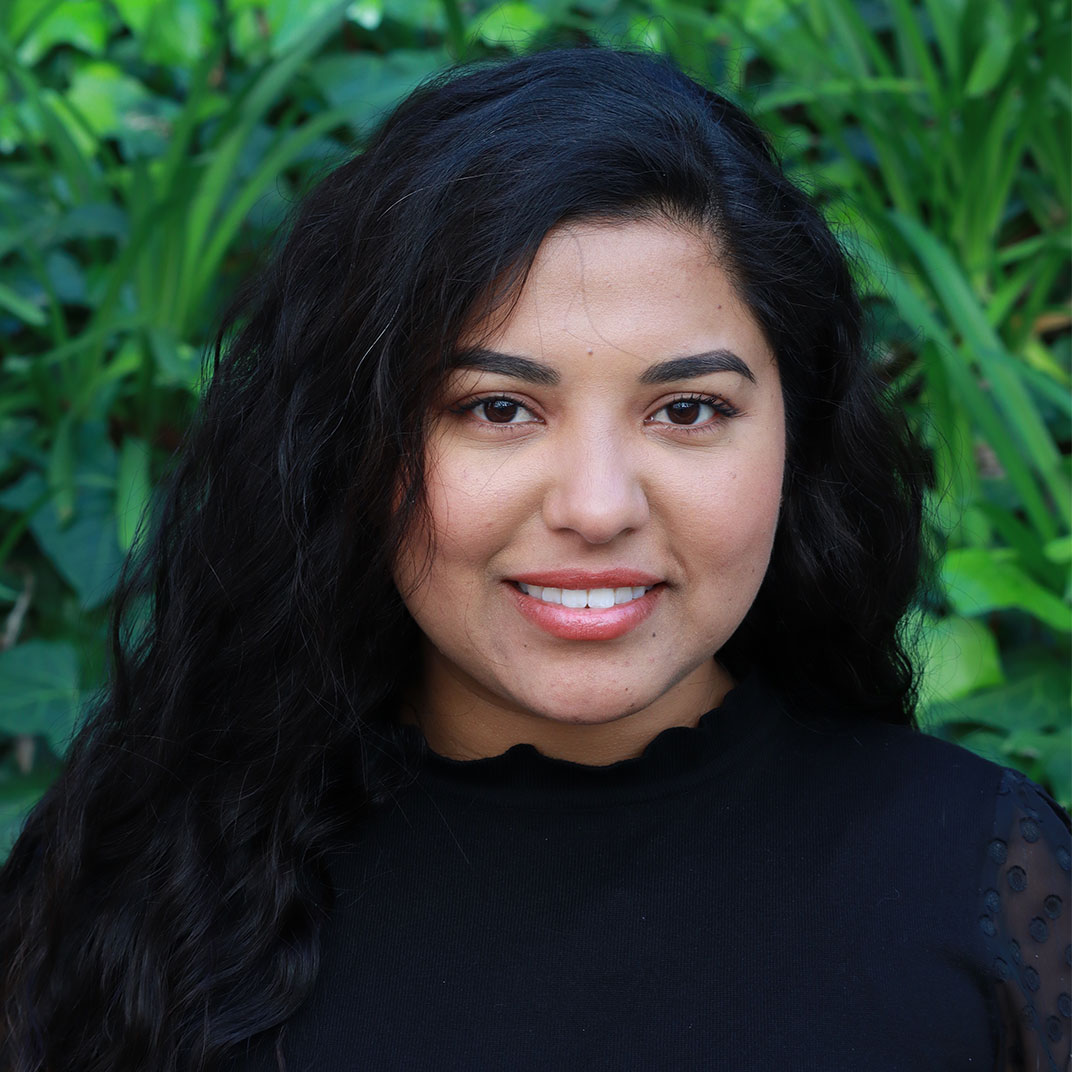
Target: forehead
592, 259
637, 291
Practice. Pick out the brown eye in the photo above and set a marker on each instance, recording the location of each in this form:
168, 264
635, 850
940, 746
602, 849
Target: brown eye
701, 412
684, 411
500, 410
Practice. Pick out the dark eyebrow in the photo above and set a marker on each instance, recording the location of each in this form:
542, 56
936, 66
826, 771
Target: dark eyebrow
687, 368
520, 368
678, 368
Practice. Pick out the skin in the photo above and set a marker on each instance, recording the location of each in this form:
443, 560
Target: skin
594, 472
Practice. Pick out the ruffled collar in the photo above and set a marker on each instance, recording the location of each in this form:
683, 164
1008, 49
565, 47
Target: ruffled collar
673, 761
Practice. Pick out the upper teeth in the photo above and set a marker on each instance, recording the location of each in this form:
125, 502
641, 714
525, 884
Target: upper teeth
599, 598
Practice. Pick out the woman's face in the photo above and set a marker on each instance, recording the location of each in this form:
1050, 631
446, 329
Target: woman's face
604, 477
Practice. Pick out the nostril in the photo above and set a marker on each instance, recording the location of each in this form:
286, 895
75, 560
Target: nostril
597, 510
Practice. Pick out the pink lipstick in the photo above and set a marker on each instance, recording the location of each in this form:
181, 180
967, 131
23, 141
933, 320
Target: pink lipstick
586, 605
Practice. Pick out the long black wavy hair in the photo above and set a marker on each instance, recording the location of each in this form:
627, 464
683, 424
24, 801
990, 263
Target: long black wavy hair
164, 900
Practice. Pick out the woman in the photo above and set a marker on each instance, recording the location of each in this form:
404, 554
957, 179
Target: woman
549, 430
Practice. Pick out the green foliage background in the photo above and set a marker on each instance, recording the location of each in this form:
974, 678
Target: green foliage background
149, 149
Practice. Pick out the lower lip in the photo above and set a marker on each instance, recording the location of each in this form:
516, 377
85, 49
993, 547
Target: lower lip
586, 623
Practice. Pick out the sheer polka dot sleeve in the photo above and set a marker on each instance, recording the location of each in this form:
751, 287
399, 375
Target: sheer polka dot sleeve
1025, 921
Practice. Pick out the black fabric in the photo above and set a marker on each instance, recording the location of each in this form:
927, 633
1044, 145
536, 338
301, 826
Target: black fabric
777, 888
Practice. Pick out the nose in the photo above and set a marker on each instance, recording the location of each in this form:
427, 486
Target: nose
595, 489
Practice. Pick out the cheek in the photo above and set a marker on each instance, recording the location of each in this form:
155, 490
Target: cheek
466, 515
730, 520
469, 516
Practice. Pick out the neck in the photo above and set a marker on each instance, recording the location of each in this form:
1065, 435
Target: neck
460, 719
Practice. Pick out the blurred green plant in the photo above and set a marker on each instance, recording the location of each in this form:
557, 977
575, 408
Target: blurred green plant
150, 151
938, 134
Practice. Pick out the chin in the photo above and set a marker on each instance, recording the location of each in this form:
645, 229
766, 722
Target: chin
582, 711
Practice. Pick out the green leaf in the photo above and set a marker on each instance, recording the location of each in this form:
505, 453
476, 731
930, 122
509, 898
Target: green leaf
18, 794
1059, 550
917, 55
957, 379
281, 155
989, 65
945, 16
366, 13
290, 20
174, 34
27, 492
66, 277
22, 17
978, 581
39, 683
368, 84
1030, 744
82, 24
101, 220
1058, 767
61, 462
510, 25
1036, 700
792, 95
985, 743
1045, 757
133, 488
966, 313
85, 550
16, 438
455, 26
959, 657
104, 96
216, 180
26, 310
177, 364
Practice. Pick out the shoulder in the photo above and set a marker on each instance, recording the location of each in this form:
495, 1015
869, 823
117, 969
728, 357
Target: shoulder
916, 791
876, 760
955, 867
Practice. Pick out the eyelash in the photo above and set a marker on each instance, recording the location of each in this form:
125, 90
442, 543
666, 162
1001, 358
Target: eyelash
476, 403
724, 410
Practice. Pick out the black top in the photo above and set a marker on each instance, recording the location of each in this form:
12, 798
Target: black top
773, 889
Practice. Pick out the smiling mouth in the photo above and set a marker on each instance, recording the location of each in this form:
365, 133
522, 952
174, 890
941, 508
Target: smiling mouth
578, 598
